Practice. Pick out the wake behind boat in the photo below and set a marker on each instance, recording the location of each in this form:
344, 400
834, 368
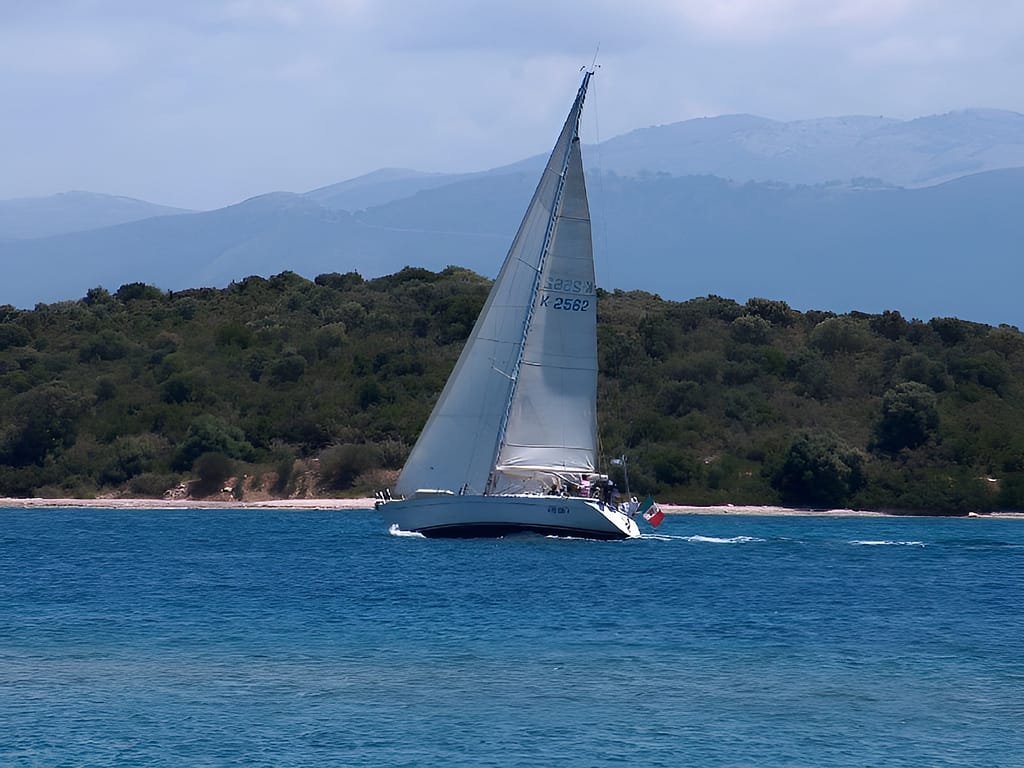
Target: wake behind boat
511, 445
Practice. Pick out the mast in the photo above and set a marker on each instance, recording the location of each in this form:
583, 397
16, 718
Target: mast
573, 121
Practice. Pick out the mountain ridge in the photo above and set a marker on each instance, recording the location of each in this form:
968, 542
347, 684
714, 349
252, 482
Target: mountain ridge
925, 252
674, 229
74, 211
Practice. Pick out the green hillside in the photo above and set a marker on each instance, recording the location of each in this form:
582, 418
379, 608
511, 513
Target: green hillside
281, 380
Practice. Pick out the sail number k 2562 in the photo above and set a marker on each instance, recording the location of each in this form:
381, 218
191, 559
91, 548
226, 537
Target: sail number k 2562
567, 304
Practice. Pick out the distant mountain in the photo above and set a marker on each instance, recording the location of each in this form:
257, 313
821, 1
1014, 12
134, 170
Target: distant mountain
30, 217
947, 250
263, 235
913, 153
837, 214
907, 153
380, 187
173, 252
951, 249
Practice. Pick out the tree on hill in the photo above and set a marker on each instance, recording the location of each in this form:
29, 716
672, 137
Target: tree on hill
819, 470
909, 416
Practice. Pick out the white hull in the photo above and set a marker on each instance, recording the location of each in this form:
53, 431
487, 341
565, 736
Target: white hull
450, 516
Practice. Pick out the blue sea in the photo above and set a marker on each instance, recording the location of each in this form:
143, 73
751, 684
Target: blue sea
317, 638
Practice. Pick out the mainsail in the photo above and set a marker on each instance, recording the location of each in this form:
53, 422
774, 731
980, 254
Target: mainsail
522, 397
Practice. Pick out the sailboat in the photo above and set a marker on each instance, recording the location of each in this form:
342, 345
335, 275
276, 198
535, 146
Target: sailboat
511, 445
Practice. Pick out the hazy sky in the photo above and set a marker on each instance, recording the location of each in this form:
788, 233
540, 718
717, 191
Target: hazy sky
202, 103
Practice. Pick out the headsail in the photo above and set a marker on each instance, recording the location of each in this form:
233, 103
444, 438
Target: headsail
552, 422
489, 412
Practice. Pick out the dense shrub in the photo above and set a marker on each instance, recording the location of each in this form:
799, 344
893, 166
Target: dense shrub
212, 470
208, 434
713, 401
138, 292
819, 470
909, 416
340, 465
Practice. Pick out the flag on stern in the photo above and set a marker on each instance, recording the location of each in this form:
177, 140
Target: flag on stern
652, 512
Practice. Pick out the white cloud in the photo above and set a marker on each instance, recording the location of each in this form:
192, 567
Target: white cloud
71, 53
768, 19
900, 50
264, 11
203, 102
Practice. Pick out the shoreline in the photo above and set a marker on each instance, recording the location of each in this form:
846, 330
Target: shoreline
156, 504
367, 503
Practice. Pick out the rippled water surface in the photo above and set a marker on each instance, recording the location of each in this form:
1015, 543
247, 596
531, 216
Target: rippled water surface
302, 638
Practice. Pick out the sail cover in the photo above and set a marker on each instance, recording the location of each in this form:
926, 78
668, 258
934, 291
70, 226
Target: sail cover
528, 372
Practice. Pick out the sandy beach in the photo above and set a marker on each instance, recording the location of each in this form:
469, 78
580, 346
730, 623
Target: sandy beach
728, 509
367, 503
187, 504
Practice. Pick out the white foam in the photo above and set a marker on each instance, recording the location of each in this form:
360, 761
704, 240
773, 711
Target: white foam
394, 530
718, 540
887, 543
